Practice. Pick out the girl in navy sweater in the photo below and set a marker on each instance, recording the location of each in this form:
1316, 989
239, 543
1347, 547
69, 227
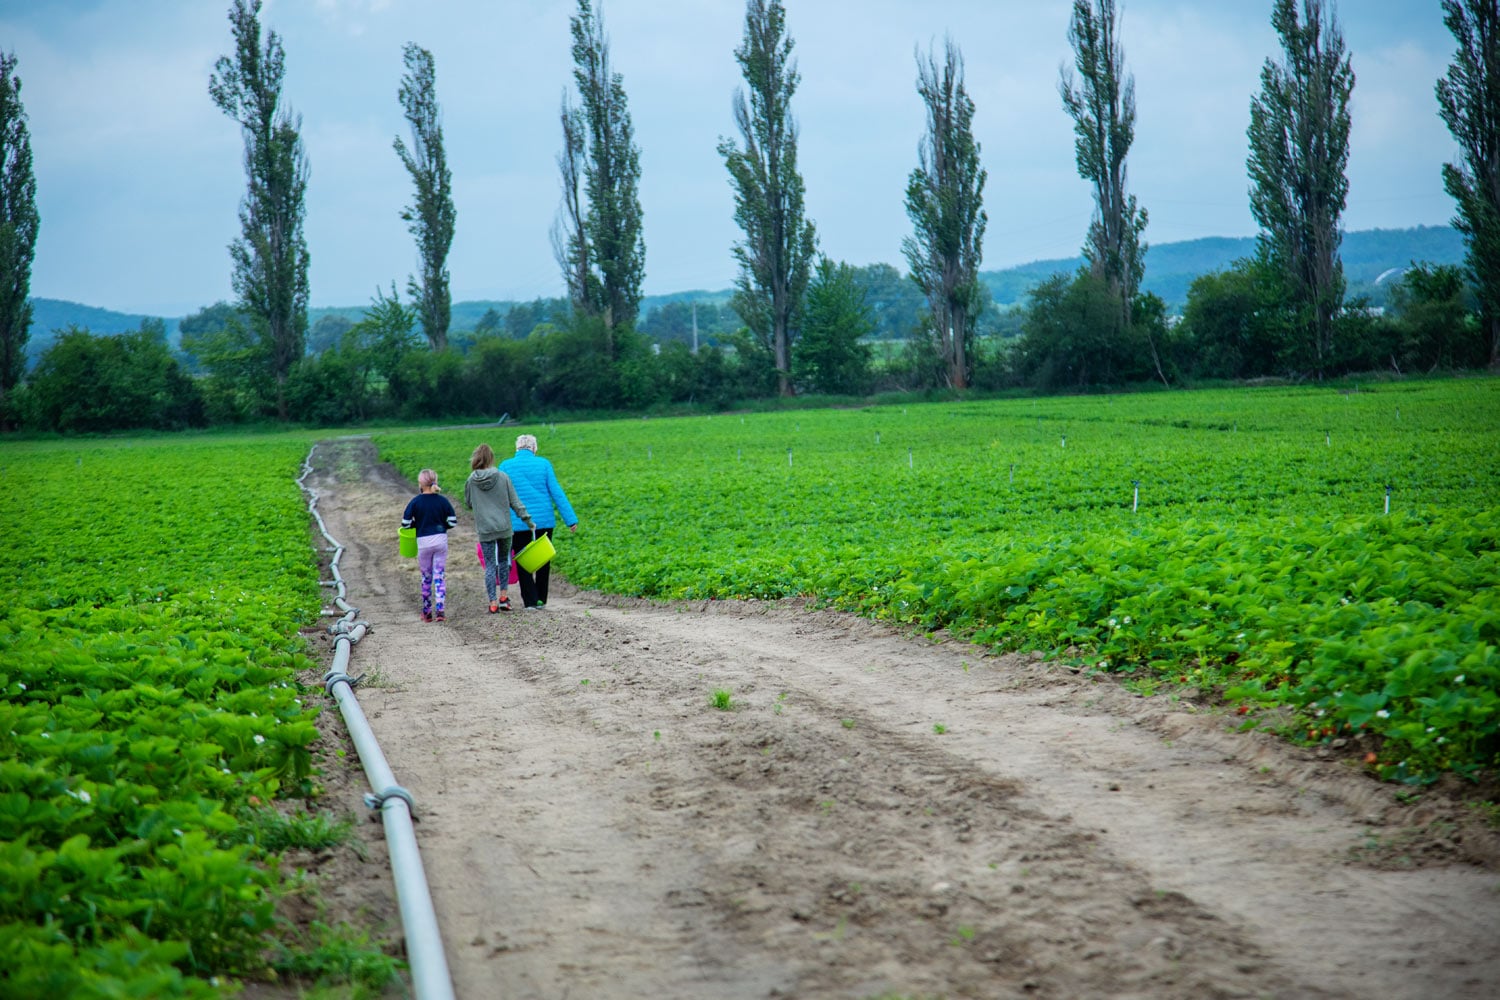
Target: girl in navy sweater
432, 515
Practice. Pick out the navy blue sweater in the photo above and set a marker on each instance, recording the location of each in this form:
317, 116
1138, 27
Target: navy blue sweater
431, 513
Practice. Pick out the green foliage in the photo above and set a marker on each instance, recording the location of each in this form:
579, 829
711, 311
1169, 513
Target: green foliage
895, 302
775, 256
1102, 106
1072, 337
275, 832
945, 202
1240, 324
86, 384
828, 357
210, 319
608, 245
1435, 329
367, 374
580, 368
430, 384
338, 956
52, 316
432, 216
19, 226
147, 658
1299, 150
239, 386
1468, 98
489, 322
1237, 324
676, 320
524, 317
270, 255
326, 333
1259, 564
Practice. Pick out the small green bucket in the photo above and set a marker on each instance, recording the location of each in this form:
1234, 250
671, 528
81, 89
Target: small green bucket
408, 538
536, 555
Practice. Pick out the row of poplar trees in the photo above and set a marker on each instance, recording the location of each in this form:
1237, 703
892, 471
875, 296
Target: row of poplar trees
270, 257
1298, 137
1299, 147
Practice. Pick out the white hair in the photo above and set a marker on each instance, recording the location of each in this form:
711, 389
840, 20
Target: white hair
527, 441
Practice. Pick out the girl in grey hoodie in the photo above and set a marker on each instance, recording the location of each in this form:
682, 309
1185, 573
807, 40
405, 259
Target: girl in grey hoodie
489, 494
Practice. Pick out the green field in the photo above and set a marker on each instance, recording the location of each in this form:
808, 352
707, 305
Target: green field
1257, 559
154, 589
148, 656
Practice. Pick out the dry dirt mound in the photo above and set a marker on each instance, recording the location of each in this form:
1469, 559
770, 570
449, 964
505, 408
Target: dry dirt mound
871, 815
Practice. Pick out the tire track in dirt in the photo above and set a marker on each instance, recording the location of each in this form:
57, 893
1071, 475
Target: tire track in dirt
1233, 821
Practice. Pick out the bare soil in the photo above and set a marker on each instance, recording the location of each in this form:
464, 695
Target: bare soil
876, 814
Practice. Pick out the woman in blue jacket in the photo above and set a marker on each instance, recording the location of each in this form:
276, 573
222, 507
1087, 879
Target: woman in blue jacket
539, 491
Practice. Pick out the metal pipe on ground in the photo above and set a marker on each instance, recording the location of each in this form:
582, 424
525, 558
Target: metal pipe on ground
431, 979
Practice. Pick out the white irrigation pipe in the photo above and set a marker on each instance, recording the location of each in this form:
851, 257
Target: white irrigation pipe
424, 945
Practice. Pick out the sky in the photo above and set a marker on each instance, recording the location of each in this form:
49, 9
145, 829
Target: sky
139, 177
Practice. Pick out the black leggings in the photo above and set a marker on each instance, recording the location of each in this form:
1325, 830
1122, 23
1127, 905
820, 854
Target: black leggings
533, 586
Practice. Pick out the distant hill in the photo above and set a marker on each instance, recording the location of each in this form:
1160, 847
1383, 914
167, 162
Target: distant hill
51, 315
467, 314
1170, 269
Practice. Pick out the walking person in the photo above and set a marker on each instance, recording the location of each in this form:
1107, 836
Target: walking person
488, 492
537, 485
432, 515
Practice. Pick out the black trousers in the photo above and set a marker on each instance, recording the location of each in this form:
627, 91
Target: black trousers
533, 585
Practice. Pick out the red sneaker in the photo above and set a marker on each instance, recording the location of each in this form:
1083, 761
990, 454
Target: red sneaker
505, 603
494, 607
427, 616
441, 617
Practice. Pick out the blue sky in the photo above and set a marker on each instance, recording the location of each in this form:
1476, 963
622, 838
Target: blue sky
139, 176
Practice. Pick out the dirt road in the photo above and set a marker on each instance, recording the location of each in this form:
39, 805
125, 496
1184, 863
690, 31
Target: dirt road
875, 814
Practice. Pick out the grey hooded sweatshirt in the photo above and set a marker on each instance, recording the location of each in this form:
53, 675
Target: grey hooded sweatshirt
490, 495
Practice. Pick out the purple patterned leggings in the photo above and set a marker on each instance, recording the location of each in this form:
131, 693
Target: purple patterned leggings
432, 560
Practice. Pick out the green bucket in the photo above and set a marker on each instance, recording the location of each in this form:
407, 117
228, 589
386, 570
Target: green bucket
537, 554
408, 538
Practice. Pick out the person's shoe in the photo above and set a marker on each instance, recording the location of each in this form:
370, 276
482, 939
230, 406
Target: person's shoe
494, 608
427, 616
441, 617
541, 605
504, 602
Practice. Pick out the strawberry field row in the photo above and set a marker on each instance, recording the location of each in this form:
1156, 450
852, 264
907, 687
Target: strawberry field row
1327, 557
153, 593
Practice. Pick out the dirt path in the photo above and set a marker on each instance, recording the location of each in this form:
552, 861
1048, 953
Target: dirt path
878, 815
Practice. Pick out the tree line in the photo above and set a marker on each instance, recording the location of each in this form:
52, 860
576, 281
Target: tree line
797, 322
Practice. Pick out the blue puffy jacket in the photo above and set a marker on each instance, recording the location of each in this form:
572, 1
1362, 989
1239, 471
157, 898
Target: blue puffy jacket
537, 486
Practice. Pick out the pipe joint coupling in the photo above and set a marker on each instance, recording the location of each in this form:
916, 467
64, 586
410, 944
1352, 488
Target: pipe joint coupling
375, 800
333, 678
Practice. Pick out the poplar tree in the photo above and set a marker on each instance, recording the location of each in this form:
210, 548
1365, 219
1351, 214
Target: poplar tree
431, 216
569, 242
1299, 149
270, 256
945, 202
1469, 103
1101, 103
19, 224
602, 250
776, 254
